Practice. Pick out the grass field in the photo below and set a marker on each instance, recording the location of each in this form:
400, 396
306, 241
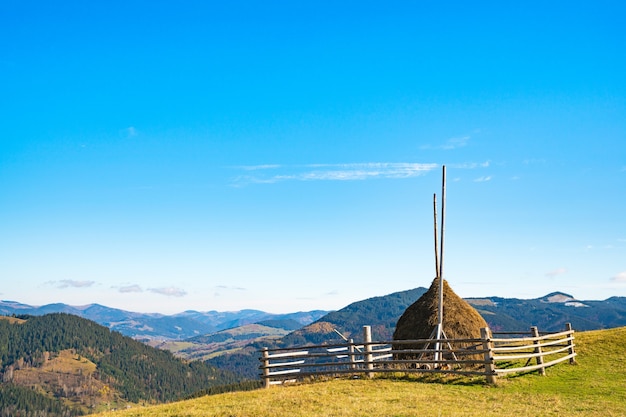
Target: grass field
595, 386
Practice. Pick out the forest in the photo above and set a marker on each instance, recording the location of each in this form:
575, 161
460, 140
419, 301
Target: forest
125, 371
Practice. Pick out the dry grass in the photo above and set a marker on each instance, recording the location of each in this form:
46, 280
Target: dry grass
460, 319
70, 363
594, 387
12, 320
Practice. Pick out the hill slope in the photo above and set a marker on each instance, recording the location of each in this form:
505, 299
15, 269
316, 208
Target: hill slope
592, 387
86, 364
379, 312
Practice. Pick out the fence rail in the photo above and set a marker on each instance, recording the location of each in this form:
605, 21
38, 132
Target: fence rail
489, 356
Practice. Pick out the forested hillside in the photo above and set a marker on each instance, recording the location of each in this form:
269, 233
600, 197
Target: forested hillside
88, 365
379, 312
549, 313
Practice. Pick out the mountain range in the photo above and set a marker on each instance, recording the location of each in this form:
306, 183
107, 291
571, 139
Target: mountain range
88, 364
549, 313
150, 326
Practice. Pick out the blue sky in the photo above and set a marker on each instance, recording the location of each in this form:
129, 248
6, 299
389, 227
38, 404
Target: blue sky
165, 156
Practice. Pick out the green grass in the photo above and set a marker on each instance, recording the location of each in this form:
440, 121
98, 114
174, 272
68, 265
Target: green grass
595, 386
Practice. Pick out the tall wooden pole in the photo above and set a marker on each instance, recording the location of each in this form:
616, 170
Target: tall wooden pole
443, 214
440, 274
439, 334
436, 237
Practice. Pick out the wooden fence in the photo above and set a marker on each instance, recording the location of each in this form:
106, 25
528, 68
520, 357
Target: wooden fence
487, 356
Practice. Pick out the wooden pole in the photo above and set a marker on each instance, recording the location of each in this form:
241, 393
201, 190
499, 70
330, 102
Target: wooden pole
535, 333
568, 327
436, 237
352, 358
443, 217
439, 328
490, 368
367, 357
266, 369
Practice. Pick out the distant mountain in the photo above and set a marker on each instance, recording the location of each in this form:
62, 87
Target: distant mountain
230, 319
551, 312
381, 313
228, 341
75, 365
145, 326
548, 313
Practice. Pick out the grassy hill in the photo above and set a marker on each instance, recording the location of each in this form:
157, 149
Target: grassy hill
595, 386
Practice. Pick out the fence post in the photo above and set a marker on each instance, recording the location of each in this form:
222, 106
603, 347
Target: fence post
266, 370
351, 353
490, 368
535, 333
367, 357
568, 327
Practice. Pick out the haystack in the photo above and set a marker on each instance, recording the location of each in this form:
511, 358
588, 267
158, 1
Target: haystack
460, 320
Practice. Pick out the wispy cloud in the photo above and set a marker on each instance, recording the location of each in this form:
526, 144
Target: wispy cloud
169, 291
556, 272
483, 179
470, 165
533, 161
321, 296
70, 283
129, 132
273, 173
621, 277
450, 144
333, 172
130, 288
259, 167
219, 289
228, 287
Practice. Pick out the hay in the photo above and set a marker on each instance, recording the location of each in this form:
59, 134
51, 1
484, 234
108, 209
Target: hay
460, 320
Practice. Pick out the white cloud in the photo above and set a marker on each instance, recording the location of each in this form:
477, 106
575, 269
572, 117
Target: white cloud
67, 283
533, 161
259, 167
620, 277
556, 272
335, 172
219, 289
129, 132
130, 288
450, 144
483, 179
169, 291
269, 174
471, 165
454, 143
226, 287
